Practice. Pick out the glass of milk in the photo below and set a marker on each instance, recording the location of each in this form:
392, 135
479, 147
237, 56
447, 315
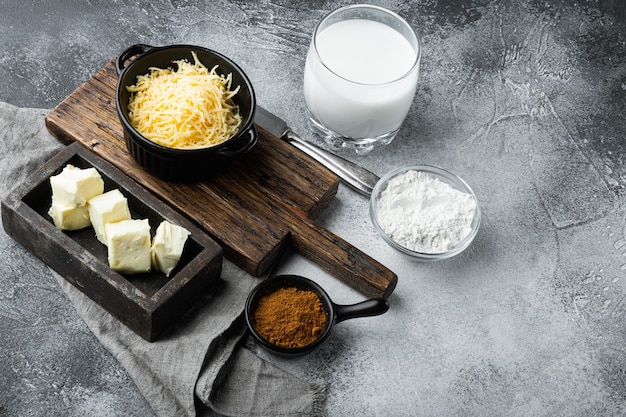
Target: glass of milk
360, 76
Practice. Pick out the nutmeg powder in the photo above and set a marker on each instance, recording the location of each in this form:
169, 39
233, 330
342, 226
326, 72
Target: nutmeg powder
290, 317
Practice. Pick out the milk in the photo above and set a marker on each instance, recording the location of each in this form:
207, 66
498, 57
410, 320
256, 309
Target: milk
363, 82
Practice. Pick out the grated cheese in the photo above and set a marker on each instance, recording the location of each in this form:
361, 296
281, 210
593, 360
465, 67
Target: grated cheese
187, 108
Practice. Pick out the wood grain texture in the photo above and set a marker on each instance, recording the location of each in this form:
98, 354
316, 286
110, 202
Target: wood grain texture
253, 208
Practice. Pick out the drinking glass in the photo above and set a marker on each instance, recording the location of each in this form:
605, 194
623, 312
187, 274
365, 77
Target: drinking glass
360, 76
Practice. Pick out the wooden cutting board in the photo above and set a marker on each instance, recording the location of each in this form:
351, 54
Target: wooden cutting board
254, 208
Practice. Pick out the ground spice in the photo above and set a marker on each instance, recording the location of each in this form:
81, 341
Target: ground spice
290, 317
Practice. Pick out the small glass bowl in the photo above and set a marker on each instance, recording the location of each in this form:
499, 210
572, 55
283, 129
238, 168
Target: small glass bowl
444, 176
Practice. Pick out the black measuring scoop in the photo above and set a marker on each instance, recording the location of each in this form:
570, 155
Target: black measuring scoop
336, 313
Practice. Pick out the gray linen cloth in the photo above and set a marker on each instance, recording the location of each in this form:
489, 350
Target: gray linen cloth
203, 357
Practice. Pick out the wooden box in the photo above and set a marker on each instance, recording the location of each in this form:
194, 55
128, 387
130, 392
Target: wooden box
147, 303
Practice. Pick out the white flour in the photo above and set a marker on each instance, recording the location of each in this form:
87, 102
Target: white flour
424, 214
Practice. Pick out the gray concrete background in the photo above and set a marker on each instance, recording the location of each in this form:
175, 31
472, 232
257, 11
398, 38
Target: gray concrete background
526, 100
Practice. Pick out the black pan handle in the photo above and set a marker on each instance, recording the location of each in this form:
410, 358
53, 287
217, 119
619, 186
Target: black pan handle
131, 51
372, 307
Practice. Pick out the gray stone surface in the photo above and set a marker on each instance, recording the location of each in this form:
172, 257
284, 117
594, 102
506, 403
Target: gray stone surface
525, 100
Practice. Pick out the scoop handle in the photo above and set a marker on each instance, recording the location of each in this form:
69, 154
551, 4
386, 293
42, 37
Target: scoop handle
373, 307
356, 177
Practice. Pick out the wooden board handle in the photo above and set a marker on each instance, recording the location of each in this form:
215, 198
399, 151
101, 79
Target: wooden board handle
341, 259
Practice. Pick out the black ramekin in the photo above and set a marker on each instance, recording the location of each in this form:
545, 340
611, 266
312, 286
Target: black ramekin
183, 164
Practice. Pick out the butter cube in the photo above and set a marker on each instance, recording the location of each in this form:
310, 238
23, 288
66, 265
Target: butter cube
75, 186
110, 207
69, 217
128, 246
167, 246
